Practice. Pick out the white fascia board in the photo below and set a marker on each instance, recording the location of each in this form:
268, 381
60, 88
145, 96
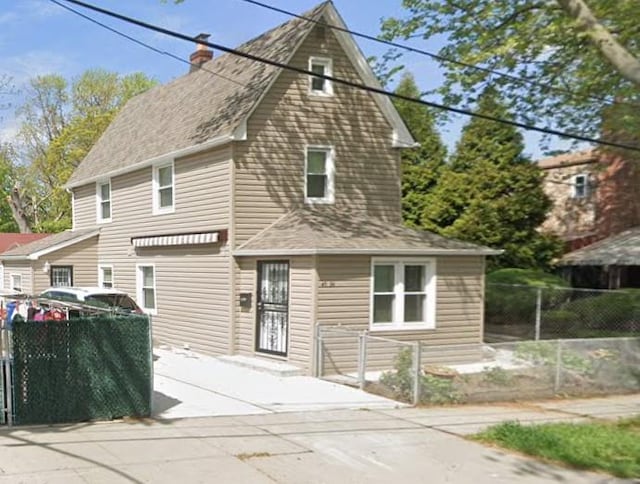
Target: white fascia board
402, 138
62, 245
189, 150
389, 252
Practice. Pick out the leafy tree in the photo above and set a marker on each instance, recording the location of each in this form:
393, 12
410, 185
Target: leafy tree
61, 121
421, 166
583, 56
491, 194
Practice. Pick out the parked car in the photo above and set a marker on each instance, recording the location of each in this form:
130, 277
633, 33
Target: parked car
110, 298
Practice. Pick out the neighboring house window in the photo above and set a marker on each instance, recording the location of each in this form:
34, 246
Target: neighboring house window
1, 276
318, 85
319, 174
16, 282
147, 288
105, 276
581, 186
103, 190
163, 189
61, 276
403, 294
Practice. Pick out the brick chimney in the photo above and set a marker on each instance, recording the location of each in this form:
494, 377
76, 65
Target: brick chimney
202, 53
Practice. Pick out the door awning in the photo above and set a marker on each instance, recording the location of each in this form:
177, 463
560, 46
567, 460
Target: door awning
176, 239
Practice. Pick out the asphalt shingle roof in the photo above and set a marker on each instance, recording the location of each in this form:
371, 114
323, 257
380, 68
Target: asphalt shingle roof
194, 108
331, 229
622, 249
45, 243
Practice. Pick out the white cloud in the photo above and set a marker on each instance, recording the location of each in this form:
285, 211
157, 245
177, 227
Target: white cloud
25, 66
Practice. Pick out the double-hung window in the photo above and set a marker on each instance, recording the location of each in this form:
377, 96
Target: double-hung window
581, 186
61, 276
163, 189
320, 86
16, 282
105, 276
403, 294
103, 191
319, 175
147, 288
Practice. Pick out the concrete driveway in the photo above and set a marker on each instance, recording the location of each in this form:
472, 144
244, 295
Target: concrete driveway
187, 384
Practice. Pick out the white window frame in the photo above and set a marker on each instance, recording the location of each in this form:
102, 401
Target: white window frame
1, 275
101, 267
327, 63
330, 170
574, 186
12, 284
430, 276
157, 209
100, 201
139, 289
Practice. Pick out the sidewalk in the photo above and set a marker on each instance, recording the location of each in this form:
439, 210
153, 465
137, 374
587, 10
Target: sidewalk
335, 446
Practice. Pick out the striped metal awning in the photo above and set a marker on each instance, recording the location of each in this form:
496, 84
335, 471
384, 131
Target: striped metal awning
176, 239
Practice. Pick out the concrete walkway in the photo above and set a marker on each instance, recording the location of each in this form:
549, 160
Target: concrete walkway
338, 446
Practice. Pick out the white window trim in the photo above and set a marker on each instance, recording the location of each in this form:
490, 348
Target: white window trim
99, 201
157, 210
1, 275
12, 285
330, 168
139, 295
101, 276
430, 290
328, 71
574, 191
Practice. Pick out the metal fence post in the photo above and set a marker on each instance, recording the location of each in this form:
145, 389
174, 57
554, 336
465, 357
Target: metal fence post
538, 313
557, 380
7, 356
362, 359
417, 354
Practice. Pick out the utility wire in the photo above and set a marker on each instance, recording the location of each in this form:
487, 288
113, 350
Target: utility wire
438, 57
344, 82
143, 44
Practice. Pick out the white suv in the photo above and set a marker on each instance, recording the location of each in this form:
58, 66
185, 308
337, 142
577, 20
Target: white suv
114, 299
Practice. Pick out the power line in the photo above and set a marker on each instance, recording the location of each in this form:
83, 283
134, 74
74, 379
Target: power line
374, 90
438, 57
143, 44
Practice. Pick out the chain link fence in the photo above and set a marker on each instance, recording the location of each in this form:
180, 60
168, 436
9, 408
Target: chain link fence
518, 312
79, 369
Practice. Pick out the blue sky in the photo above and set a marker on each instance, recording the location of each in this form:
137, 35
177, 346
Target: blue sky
38, 37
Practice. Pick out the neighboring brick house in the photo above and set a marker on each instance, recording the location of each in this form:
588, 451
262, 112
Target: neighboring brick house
595, 196
242, 204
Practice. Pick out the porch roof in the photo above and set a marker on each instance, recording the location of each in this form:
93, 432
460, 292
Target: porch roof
622, 249
48, 244
331, 230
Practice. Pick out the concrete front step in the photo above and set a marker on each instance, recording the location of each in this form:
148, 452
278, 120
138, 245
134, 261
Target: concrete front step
273, 367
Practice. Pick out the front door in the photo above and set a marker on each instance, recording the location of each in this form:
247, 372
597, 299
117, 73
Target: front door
273, 307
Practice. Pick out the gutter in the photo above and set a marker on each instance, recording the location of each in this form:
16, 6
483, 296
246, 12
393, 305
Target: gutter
416, 252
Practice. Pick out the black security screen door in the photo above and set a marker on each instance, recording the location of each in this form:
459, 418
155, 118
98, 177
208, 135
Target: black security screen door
273, 307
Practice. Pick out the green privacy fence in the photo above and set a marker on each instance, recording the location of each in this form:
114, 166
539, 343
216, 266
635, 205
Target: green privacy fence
81, 369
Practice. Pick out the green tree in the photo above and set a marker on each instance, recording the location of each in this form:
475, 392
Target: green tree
60, 122
421, 165
491, 194
583, 56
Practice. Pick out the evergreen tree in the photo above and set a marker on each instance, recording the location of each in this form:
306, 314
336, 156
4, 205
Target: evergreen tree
491, 194
421, 166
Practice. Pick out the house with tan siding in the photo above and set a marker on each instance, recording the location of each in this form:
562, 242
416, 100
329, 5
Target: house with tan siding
242, 204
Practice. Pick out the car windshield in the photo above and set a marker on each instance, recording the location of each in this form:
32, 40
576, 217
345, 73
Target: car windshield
118, 301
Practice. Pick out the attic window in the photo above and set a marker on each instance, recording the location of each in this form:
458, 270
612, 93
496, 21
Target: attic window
581, 186
317, 85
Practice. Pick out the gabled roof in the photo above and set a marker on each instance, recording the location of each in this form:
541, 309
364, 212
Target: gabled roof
331, 230
201, 110
34, 250
9, 241
569, 159
622, 249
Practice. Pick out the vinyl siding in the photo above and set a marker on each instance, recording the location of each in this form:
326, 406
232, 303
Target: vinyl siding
301, 277
19, 267
83, 256
344, 298
270, 164
84, 206
192, 282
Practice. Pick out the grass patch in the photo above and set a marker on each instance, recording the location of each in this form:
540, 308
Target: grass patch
610, 447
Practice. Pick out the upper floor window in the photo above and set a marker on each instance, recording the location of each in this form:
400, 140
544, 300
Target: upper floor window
103, 190
580, 186
163, 188
319, 174
403, 294
319, 85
